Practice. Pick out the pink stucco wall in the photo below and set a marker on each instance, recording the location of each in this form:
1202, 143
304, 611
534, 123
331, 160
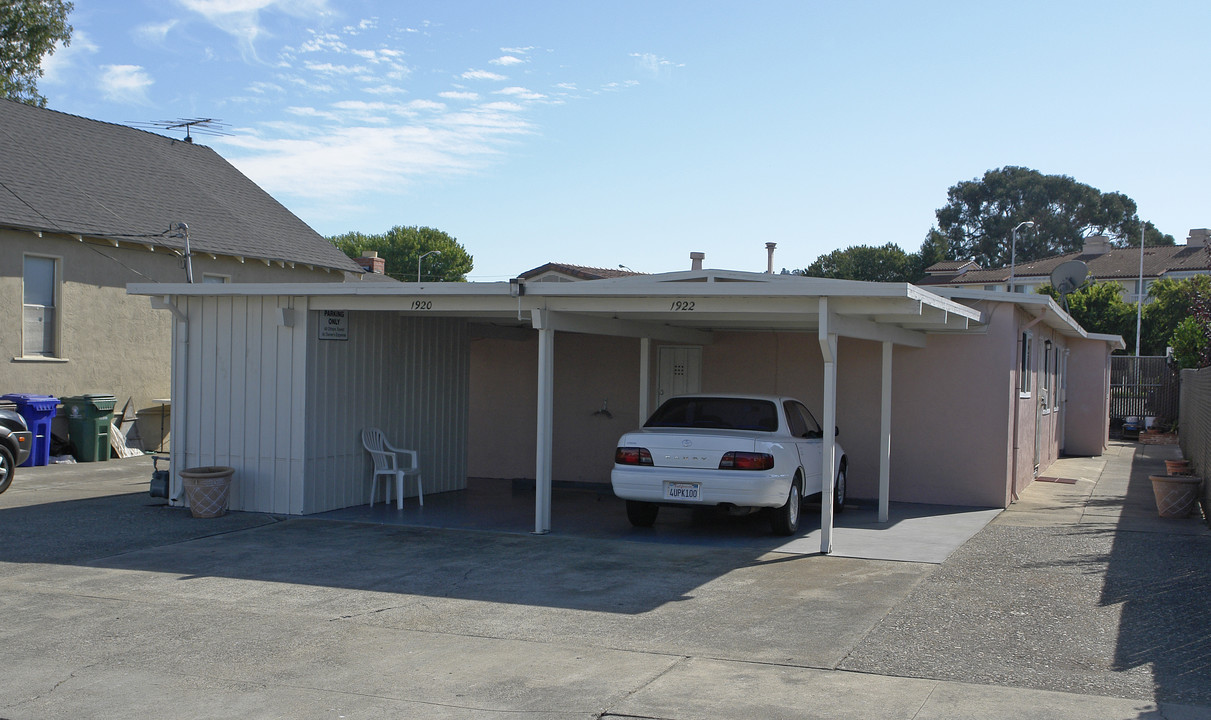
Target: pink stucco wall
1088, 411
953, 404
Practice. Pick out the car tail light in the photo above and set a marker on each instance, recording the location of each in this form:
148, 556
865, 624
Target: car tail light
632, 456
746, 461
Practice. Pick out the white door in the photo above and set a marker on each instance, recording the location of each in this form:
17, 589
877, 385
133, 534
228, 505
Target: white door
680, 372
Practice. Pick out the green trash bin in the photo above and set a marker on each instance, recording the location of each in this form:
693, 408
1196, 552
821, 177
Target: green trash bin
88, 419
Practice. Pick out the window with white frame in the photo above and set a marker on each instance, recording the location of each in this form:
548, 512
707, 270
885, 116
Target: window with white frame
40, 293
1026, 364
212, 278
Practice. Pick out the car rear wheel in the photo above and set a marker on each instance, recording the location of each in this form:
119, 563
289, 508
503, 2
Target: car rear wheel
642, 514
839, 491
785, 520
7, 466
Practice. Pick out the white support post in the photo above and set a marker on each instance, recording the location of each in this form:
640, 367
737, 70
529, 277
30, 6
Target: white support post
546, 415
645, 377
828, 348
885, 436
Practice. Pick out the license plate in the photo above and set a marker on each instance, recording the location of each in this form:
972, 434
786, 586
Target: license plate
682, 491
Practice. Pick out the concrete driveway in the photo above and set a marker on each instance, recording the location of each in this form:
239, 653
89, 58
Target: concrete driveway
113, 605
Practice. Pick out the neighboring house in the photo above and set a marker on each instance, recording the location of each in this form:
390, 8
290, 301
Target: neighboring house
562, 272
87, 207
539, 379
1106, 263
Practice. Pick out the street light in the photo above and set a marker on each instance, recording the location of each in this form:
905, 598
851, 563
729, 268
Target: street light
422, 257
1013, 251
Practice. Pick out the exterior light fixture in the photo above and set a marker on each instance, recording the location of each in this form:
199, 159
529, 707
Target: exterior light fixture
422, 257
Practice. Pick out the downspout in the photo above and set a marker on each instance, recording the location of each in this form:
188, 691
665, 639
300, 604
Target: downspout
1017, 402
180, 374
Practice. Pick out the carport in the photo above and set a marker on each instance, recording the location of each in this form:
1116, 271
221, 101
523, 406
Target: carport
292, 371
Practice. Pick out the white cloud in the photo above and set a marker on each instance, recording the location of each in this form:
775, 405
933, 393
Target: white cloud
125, 83
503, 106
155, 33
367, 24
323, 42
507, 60
430, 105
371, 156
518, 50
459, 95
57, 67
520, 93
381, 55
384, 89
654, 64
260, 87
241, 18
482, 75
331, 69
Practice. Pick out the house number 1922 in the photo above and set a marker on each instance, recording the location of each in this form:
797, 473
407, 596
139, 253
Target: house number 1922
682, 306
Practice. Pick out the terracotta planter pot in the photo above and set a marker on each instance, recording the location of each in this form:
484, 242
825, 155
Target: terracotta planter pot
208, 490
1176, 495
1177, 467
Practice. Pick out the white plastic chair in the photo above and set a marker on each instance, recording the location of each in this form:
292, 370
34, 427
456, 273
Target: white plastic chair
386, 465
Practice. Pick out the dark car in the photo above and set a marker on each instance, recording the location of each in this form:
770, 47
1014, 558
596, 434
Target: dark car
15, 443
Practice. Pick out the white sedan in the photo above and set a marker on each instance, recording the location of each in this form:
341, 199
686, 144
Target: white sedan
738, 452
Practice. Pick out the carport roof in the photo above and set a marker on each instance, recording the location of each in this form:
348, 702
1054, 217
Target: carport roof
680, 306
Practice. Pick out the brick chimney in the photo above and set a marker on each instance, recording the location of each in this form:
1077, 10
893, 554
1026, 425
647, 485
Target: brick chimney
696, 259
371, 262
1198, 237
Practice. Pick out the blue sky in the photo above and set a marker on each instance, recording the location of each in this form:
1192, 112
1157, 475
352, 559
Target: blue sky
633, 133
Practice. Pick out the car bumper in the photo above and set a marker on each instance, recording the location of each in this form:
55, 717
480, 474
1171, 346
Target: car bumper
25, 444
733, 487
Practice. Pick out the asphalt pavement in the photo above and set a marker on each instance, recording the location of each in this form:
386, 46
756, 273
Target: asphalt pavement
1077, 602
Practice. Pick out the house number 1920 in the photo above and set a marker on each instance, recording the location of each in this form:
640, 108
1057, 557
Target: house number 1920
682, 306
422, 304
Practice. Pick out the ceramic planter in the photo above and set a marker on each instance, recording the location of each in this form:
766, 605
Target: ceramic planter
1176, 495
208, 490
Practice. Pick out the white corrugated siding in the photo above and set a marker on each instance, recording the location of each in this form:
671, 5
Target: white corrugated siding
408, 376
239, 391
286, 409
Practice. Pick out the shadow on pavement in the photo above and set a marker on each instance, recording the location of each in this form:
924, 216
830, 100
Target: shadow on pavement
1163, 582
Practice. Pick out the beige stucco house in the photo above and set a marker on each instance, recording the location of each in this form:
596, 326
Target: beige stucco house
87, 207
1106, 263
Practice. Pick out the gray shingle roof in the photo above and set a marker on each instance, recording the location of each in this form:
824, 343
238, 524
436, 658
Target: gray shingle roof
69, 174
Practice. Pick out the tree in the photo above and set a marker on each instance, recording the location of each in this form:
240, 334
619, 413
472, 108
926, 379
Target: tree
1169, 302
1099, 308
1191, 339
29, 30
887, 263
980, 215
401, 248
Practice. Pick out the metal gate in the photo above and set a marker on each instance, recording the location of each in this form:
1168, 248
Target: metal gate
1144, 387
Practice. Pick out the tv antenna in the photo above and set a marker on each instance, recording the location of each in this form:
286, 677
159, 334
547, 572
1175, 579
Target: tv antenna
1068, 277
201, 126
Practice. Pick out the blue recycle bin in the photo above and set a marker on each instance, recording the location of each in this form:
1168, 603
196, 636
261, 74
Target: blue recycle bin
38, 411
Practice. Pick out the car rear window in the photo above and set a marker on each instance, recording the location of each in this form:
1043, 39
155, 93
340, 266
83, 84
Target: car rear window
718, 413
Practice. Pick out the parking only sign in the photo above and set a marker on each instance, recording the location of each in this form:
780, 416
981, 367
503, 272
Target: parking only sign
334, 325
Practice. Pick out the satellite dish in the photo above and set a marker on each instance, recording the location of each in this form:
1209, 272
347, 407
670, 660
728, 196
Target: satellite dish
1068, 277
